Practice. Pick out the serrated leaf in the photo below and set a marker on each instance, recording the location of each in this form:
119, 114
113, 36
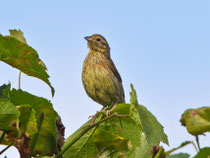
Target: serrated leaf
125, 139
203, 153
23, 57
47, 140
152, 129
133, 96
18, 34
179, 155
197, 121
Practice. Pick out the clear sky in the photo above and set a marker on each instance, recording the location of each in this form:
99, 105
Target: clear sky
162, 47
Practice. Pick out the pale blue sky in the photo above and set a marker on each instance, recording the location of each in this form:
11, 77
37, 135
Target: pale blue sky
162, 47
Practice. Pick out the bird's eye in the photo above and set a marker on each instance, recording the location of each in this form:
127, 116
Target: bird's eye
98, 39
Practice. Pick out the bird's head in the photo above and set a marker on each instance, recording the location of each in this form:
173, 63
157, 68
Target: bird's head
98, 43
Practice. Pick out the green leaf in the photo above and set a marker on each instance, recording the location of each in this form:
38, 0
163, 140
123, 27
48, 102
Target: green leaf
18, 34
203, 153
110, 144
9, 114
112, 138
23, 57
148, 122
85, 146
152, 128
47, 140
179, 155
128, 136
197, 121
133, 96
28, 124
4, 92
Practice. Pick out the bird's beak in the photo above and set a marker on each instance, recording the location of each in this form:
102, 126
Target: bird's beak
88, 38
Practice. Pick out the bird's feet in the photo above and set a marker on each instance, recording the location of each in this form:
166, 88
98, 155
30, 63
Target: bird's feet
108, 112
93, 118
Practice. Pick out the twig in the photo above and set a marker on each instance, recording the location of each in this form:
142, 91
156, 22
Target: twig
197, 141
33, 144
1, 152
87, 129
2, 136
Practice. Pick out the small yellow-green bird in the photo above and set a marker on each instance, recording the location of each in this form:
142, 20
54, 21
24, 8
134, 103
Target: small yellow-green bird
101, 80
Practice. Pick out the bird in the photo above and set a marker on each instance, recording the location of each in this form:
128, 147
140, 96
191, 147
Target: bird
100, 77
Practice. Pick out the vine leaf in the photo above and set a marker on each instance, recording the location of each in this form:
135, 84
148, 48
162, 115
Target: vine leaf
15, 52
148, 122
20, 117
47, 141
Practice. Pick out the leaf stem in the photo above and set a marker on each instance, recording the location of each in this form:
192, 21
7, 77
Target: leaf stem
1, 152
197, 141
181, 146
87, 129
2, 136
33, 144
194, 146
19, 80
159, 153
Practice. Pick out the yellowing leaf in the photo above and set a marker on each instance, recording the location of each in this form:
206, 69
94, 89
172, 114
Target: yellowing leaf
23, 57
197, 121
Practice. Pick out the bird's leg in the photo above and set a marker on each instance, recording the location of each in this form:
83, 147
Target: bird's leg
109, 111
93, 117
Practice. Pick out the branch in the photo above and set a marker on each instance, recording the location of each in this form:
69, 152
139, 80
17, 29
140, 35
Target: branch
87, 129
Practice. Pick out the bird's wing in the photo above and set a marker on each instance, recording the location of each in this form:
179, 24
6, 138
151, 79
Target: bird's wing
114, 70
117, 81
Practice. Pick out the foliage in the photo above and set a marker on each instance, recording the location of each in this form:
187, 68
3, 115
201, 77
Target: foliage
31, 124
20, 111
119, 136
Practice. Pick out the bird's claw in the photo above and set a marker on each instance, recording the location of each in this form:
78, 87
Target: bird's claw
108, 112
93, 118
